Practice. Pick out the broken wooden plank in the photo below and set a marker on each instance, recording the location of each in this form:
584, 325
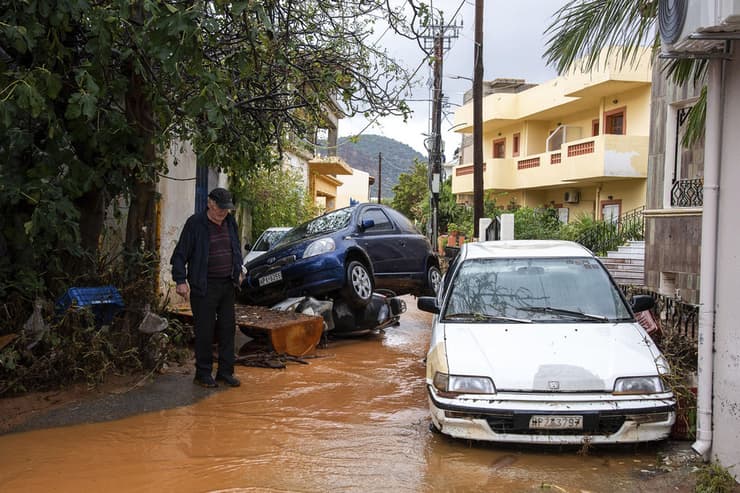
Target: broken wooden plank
291, 333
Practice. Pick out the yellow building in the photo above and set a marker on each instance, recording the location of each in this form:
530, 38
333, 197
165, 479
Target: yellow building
578, 142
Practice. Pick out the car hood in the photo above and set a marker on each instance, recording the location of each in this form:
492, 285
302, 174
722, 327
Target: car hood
550, 357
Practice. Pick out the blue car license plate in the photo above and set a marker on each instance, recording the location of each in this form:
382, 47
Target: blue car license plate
270, 278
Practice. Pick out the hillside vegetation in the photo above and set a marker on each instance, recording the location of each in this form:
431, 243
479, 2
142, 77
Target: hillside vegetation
362, 154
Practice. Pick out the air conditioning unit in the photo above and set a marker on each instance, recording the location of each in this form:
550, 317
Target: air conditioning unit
697, 26
571, 196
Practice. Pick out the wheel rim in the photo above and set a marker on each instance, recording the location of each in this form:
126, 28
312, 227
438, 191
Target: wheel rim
436, 280
361, 282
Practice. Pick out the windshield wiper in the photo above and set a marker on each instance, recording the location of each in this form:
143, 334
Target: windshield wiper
482, 317
563, 311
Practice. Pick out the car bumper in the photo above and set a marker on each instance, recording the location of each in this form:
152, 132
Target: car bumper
314, 276
606, 419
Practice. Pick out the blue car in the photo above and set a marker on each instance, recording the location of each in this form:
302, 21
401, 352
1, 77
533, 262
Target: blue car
345, 254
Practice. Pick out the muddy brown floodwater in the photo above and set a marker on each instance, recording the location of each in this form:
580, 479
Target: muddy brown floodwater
354, 419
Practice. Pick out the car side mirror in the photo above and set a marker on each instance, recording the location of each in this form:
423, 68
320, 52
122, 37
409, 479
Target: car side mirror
247, 247
367, 223
642, 302
427, 304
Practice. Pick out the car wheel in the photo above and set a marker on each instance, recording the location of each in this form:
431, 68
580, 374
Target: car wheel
358, 287
434, 279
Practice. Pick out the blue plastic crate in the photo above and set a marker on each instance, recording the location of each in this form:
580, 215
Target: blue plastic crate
104, 301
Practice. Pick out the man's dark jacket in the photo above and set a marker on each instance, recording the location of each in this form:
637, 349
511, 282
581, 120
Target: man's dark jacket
190, 258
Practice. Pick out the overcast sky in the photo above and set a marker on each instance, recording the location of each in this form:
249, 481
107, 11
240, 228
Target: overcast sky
513, 44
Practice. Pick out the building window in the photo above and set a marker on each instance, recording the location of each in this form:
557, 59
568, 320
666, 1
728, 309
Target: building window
615, 121
499, 148
515, 145
610, 210
684, 165
594, 128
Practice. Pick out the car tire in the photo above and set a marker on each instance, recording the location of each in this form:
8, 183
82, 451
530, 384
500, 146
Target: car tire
358, 286
434, 280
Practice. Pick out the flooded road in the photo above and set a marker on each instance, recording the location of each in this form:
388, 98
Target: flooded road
354, 419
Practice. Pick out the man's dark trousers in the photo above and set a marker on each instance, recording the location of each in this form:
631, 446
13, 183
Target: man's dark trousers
213, 314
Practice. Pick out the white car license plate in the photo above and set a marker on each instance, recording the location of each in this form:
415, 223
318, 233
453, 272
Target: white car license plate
556, 422
271, 278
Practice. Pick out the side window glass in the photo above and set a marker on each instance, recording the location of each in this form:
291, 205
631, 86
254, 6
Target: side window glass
382, 223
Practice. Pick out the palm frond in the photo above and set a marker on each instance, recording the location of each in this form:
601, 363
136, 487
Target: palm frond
582, 29
696, 121
683, 70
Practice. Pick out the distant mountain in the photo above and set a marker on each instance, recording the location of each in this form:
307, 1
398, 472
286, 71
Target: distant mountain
396, 158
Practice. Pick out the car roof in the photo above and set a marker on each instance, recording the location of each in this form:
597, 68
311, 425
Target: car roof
525, 249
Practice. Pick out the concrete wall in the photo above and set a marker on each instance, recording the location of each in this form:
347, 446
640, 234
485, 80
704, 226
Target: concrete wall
726, 436
177, 203
672, 235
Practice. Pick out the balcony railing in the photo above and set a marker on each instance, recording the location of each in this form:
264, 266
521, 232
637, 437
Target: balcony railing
528, 163
687, 193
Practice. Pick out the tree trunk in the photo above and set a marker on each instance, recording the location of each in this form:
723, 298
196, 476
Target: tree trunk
140, 245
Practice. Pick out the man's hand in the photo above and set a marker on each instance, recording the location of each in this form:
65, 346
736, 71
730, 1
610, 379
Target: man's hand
183, 290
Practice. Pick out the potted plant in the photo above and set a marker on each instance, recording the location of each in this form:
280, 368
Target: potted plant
452, 229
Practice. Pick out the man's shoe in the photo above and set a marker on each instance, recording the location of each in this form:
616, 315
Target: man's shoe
206, 381
229, 380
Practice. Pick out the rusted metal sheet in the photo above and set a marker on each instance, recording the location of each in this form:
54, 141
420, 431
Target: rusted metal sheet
291, 333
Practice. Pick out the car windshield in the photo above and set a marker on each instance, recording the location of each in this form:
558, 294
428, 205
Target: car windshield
268, 239
332, 221
533, 290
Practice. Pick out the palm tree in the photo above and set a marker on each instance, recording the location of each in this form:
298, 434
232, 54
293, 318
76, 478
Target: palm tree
581, 29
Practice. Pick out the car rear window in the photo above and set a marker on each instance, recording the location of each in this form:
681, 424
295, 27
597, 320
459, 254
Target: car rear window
537, 290
329, 222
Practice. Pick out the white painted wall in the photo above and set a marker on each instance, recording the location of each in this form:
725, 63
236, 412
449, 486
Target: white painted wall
177, 203
726, 408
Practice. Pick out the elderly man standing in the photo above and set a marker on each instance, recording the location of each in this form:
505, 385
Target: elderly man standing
206, 265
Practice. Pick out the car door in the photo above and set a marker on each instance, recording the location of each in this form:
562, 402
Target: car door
416, 247
381, 241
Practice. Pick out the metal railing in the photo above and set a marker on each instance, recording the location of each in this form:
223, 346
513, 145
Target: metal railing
673, 314
609, 235
687, 193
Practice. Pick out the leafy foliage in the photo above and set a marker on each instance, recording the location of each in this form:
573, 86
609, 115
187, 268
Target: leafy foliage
275, 197
91, 93
536, 224
582, 28
411, 193
713, 478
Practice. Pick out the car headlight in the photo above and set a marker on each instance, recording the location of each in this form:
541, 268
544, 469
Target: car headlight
638, 385
463, 385
319, 246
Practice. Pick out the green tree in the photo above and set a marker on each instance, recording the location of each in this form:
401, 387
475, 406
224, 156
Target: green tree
411, 193
275, 197
92, 93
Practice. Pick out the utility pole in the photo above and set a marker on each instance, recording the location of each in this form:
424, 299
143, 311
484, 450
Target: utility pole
478, 121
380, 171
438, 42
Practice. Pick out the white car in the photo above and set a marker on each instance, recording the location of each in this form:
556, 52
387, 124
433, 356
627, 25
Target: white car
266, 240
533, 342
